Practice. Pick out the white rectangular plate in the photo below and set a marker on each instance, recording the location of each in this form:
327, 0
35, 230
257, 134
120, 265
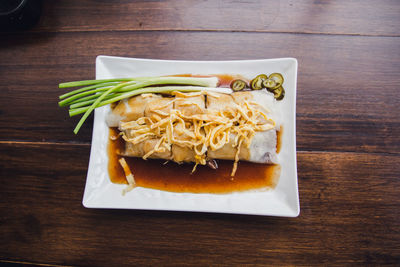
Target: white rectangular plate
283, 200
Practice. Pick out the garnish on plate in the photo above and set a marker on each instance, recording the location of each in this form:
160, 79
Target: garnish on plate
185, 119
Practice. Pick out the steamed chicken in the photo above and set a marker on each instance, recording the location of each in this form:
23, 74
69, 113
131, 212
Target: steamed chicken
198, 127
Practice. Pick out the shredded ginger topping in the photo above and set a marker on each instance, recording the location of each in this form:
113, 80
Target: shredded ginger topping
129, 176
206, 131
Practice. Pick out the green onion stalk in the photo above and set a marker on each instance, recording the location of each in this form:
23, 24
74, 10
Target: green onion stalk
97, 93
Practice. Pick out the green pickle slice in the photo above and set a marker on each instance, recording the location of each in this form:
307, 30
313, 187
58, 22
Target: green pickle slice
238, 85
273, 84
277, 78
279, 93
269, 84
257, 82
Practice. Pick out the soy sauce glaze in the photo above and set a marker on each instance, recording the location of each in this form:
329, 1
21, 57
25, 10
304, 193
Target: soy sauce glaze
224, 79
178, 178
175, 177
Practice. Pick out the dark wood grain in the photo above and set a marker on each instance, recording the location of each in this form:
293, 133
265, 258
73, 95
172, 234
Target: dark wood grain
13, 263
339, 17
348, 134
348, 217
347, 97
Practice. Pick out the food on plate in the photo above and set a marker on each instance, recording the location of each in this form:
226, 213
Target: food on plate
238, 85
97, 93
186, 119
198, 127
273, 83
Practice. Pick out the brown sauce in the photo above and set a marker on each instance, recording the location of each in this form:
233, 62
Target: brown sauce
279, 140
175, 177
224, 79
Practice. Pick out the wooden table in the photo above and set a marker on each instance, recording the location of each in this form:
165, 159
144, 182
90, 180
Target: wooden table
348, 128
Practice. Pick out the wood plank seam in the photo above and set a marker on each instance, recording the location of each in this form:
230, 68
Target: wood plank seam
206, 30
63, 143
18, 262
